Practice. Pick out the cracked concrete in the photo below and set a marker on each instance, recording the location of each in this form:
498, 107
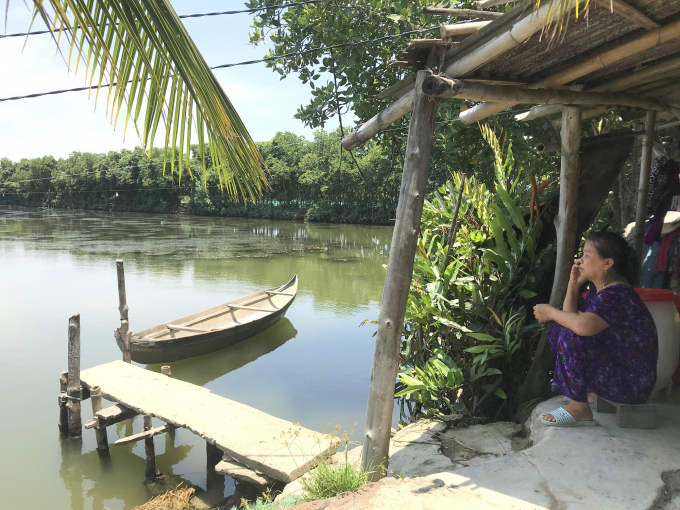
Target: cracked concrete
593, 468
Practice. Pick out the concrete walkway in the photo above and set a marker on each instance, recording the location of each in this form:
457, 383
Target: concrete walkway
589, 468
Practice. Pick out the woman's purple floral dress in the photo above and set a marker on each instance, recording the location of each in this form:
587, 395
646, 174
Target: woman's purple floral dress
618, 364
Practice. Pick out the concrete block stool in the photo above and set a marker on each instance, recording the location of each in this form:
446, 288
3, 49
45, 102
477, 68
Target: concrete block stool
641, 416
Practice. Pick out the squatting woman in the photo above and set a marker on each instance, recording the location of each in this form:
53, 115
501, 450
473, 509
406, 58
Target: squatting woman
608, 345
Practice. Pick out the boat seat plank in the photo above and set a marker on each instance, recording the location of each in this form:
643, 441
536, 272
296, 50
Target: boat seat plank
254, 309
279, 293
249, 436
184, 328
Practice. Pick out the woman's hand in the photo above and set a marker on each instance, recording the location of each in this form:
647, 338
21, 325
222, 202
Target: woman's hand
575, 277
543, 313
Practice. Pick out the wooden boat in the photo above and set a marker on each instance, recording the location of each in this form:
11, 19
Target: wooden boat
212, 329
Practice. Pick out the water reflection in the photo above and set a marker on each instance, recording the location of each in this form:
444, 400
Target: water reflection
204, 369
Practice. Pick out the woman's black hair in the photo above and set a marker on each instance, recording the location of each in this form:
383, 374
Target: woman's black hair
610, 245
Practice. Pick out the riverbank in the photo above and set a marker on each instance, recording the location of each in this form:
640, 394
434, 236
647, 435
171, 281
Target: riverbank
592, 468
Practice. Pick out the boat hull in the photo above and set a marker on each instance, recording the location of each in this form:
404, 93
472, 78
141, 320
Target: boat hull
198, 344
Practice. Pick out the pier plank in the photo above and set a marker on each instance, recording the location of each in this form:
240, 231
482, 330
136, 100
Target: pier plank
272, 446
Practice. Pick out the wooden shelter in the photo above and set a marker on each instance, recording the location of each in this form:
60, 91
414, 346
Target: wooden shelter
621, 55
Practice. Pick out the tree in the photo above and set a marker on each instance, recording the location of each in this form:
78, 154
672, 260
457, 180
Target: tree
157, 77
349, 78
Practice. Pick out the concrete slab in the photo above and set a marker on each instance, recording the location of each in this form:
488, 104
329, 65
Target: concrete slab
593, 468
242, 473
272, 446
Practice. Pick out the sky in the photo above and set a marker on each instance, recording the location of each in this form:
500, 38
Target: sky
61, 124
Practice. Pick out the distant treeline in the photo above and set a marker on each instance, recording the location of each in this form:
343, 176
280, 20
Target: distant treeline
309, 180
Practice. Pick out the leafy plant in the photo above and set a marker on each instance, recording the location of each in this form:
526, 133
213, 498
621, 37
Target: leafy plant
468, 302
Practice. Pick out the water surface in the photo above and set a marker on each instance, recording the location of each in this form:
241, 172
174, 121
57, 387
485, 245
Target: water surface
313, 367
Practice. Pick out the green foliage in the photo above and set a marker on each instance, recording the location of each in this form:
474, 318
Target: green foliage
310, 180
328, 480
465, 319
266, 503
362, 71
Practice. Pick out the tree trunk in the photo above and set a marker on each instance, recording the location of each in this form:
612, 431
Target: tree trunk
398, 282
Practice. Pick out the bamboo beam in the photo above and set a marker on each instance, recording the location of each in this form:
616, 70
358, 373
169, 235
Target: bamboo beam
442, 87
567, 217
398, 282
73, 395
600, 61
469, 27
461, 13
621, 8
147, 434
485, 4
513, 36
633, 79
643, 185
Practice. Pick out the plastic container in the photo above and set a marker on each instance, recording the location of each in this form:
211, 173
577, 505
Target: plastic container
663, 304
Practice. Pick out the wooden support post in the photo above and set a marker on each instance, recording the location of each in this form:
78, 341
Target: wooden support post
643, 185
565, 222
75, 427
97, 405
63, 414
124, 330
398, 281
213, 455
150, 471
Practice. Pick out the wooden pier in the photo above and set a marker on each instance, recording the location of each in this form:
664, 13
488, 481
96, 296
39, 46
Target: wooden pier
241, 441
274, 447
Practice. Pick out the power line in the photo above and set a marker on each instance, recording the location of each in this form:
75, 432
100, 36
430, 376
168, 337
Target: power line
247, 62
184, 16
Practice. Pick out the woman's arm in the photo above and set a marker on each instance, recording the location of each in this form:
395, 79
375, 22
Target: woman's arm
581, 323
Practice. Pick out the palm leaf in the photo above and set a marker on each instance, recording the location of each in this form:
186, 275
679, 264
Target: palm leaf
157, 75
559, 13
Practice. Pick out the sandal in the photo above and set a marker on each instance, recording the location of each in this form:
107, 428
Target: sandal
564, 419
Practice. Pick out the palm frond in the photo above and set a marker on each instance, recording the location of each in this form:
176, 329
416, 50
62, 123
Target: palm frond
157, 76
559, 13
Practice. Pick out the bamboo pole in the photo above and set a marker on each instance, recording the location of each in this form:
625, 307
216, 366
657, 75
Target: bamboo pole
567, 217
100, 432
596, 62
63, 413
643, 185
398, 281
515, 35
443, 87
124, 330
75, 427
461, 13
455, 29
632, 79
149, 450
485, 4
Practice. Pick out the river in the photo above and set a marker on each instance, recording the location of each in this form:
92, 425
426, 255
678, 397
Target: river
313, 367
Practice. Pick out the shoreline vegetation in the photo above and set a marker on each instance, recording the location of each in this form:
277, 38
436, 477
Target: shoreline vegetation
309, 180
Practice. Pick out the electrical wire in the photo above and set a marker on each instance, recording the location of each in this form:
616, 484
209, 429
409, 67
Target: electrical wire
247, 62
184, 16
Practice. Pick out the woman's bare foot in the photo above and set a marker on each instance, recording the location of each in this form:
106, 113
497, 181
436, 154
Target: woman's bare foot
591, 398
579, 410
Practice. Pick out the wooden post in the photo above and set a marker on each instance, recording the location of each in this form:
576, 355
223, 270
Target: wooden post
97, 405
398, 281
63, 414
643, 185
565, 222
73, 385
124, 329
149, 450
